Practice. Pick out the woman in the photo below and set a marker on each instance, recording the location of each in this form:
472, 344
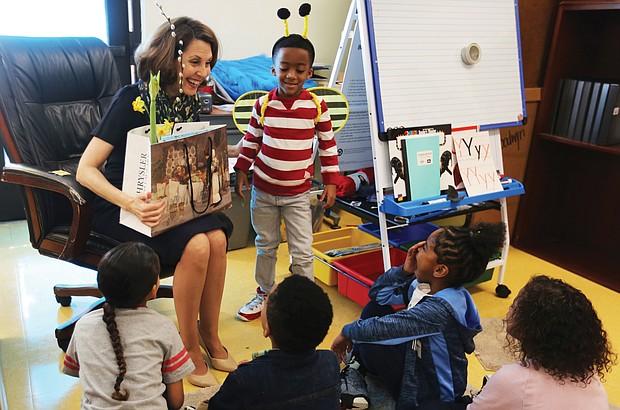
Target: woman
183, 51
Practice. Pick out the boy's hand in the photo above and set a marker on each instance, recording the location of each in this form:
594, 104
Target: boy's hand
411, 263
341, 345
241, 180
329, 196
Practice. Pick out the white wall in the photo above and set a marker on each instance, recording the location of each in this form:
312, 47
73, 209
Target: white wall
250, 27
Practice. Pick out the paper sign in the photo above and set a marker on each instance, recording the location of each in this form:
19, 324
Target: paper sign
476, 163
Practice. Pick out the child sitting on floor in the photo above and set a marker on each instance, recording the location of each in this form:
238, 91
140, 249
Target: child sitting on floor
293, 374
563, 352
419, 353
126, 355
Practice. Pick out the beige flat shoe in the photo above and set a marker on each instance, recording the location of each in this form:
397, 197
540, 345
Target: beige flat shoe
202, 380
225, 365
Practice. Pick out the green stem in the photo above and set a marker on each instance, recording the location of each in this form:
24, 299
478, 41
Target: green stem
153, 121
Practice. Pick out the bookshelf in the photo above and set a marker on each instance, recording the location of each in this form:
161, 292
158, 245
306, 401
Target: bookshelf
569, 214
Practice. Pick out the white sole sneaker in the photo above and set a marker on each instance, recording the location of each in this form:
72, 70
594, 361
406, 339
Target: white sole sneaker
360, 403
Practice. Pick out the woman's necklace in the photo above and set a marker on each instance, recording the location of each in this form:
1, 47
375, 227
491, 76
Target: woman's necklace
182, 108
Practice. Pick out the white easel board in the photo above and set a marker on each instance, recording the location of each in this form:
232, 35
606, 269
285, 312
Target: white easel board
419, 77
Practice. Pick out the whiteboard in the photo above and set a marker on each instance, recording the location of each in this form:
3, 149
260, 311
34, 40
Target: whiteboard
419, 77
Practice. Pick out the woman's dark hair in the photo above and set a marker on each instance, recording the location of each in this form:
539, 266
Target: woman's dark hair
467, 250
126, 274
160, 54
554, 326
293, 41
299, 314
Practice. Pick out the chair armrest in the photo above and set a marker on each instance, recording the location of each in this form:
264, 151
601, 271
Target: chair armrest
81, 200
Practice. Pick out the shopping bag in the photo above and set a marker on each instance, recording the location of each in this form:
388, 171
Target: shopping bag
188, 170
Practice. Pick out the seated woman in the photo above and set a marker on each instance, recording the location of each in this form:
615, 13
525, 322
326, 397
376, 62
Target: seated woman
562, 350
183, 51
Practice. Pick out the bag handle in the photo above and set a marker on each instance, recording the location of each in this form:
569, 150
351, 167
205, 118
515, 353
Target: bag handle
207, 179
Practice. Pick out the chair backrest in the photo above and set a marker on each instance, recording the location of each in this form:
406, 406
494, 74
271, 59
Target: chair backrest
53, 92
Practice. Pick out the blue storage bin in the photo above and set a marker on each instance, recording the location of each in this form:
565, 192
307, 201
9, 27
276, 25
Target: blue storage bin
399, 236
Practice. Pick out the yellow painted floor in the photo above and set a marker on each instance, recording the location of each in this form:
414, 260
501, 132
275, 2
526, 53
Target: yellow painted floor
30, 359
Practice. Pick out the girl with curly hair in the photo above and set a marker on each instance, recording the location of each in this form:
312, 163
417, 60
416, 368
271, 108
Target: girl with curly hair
562, 349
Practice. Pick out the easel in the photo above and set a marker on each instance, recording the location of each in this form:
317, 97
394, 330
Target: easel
354, 140
356, 24
347, 34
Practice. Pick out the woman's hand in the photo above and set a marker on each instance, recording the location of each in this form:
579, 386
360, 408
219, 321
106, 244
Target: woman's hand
341, 345
411, 262
148, 211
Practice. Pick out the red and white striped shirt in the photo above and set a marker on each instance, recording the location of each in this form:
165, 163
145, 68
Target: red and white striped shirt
281, 148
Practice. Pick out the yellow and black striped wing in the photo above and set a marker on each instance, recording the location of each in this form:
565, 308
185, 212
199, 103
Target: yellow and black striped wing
242, 110
336, 103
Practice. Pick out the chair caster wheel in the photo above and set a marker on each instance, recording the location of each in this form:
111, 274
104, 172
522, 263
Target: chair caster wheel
63, 300
502, 291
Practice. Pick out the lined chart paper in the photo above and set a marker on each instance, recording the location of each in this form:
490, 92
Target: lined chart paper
419, 76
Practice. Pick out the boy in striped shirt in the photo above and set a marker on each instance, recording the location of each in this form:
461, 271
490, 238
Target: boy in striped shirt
279, 142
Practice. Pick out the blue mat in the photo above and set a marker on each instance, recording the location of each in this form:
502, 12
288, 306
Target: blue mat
253, 73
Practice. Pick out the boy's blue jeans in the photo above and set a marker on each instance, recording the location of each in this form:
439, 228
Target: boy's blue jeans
267, 211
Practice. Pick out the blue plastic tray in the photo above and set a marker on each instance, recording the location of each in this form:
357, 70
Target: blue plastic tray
399, 236
441, 204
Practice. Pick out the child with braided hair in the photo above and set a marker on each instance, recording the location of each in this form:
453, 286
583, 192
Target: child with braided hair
135, 358
419, 353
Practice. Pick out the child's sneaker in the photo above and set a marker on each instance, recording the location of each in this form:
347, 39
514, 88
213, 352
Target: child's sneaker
353, 390
254, 307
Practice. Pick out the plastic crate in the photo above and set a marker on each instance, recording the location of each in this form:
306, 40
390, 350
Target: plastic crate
336, 239
357, 273
409, 234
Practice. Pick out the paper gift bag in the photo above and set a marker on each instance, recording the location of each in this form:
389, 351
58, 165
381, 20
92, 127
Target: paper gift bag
187, 170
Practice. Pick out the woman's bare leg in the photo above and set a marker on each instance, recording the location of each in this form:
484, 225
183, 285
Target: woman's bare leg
211, 301
190, 277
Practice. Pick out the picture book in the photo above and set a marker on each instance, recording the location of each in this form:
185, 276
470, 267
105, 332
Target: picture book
421, 165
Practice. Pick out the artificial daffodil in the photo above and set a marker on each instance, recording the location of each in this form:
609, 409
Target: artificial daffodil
139, 105
165, 128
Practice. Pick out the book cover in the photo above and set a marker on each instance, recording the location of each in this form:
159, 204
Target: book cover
609, 132
397, 166
566, 104
598, 117
572, 119
591, 111
398, 171
582, 110
421, 165
447, 162
556, 105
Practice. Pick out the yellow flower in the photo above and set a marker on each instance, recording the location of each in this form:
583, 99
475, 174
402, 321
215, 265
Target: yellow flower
139, 105
165, 128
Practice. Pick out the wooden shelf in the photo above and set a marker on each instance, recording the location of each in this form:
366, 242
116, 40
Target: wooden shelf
610, 149
569, 214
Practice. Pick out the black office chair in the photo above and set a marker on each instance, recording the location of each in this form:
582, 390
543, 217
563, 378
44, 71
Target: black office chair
53, 91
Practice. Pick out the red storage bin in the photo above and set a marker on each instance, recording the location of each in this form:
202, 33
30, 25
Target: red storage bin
356, 274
